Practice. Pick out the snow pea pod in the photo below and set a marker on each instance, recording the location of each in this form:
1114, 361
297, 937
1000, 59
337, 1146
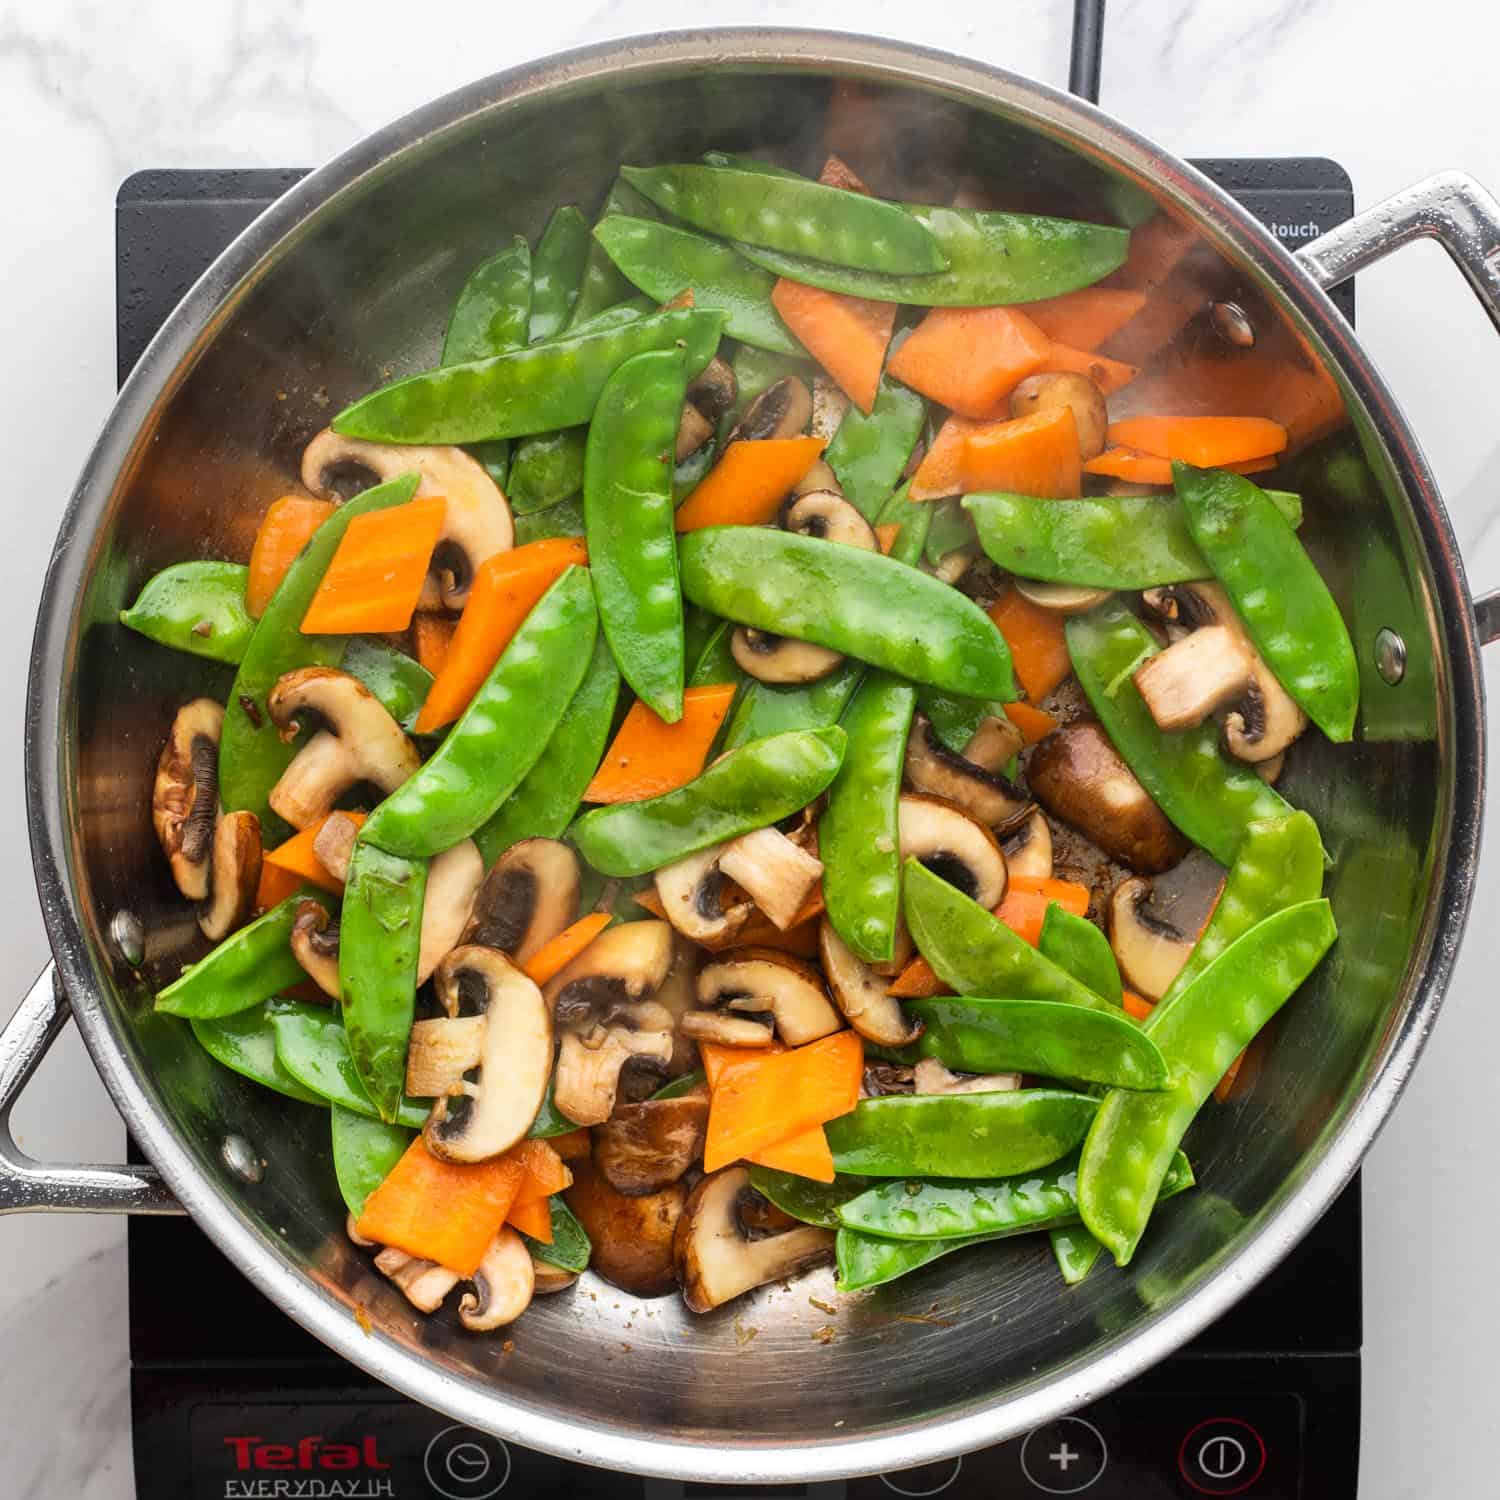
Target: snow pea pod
249, 966
549, 795
399, 681
951, 530
562, 519
493, 311
545, 469
312, 1045
764, 708
976, 954
364, 1152
1277, 591
502, 732
627, 509
570, 1248
663, 261
1210, 799
714, 662
197, 607
858, 835
1038, 1036
794, 215
1111, 542
749, 788
808, 1201
246, 1043
536, 389
913, 521
1075, 944
869, 452
859, 603
252, 756
1205, 1028
380, 933
557, 270
959, 1135
1075, 1250
954, 720
602, 286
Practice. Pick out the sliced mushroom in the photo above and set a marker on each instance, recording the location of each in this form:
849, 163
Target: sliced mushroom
645, 1147
624, 964
933, 768
185, 799
862, 995
954, 846
677, 995
529, 897
425, 1283
1078, 776
780, 658
902, 952
765, 981
714, 389
236, 875
693, 431
490, 1111
547, 1278
1203, 671
1270, 771
315, 945
830, 518
782, 410
953, 565
1028, 850
690, 891
632, 1237
930, 1076
361, 742
994, 744
1060, 598
882, 1079
441, 1050
476, 520
502, 1285
829, 406
1038, 393
453, 879
1154, 924
715, 1257
1265, 721
819, 477
334, 844
589, 1063
726, 1030
776, 873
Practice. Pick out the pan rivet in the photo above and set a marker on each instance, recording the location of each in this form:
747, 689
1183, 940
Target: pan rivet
128, 936
1232, 324
1390, 655
239, 1156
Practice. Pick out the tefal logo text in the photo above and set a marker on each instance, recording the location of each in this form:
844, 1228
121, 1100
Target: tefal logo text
309, 1453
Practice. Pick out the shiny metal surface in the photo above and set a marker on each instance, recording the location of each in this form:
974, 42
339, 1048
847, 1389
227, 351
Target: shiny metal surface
349, 279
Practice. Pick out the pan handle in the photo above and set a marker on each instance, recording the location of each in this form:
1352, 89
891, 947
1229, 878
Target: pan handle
31, 1185
1464, 218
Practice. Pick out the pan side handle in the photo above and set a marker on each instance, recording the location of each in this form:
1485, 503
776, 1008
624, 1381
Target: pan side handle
28, 1185
1464, 218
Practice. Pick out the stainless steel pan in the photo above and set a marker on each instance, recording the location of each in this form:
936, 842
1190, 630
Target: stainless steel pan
350, 277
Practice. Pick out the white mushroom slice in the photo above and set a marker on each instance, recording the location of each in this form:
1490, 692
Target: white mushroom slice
1061, 598
689, 894
782, 410
236, 875
488, 1115
780, 658
929, 1076
502, 1285
645, 1147
829, 407
777, 874
1154, 924
862, 995
361, 742
1185, 683
425, 1283
693, 431
953, 565
588, 1071
726, 1030
986, 796
453, 878
994, 744
903, 950
765, 981
529, 897
717, 1261
548, 1278
441, 1050
334, 845
1028, 850
185, 798
1270, 771
831, 518
625, 963
315, 945
819, 477
476, 521
954, 846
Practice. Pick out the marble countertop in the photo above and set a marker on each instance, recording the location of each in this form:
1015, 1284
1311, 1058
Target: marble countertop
91, 91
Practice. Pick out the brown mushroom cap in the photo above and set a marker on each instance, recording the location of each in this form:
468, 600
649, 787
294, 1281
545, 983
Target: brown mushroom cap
1038, 393
862, 995
1203, 671
727, 1030
236, 875
625, 963
645, 1147
1154, 924
782, 410
185, 798
632, 1237
829, 407
933, 768
1078, 776
529, 897
315, 945
766, 981
714, 389
953, 845
693, 431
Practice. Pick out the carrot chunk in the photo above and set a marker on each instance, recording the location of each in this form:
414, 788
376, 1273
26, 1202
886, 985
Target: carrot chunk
284, 532
1108, 374
1038, 647
1032, 722
970, 358
433, 637
650, 756
846, 335
297, 859
1035, 455
1135, 467
917, 981
1086, 318
747, 484
532, 1216
376, 575
1026, 901
1208, 442
551, 958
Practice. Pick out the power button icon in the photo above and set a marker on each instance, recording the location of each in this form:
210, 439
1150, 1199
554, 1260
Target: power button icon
462, 1463
1222, 1456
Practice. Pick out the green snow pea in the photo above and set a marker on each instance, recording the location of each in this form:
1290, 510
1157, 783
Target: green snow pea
562, 519
766, 708
913, 521
976, 954
249, 966
1111, 542
951, 529
749, 788
811, 1202
977, 1035
312, 1045
252, 756
546, 469
1208, 798
197, 607
1205, 1028
1076, 1250
858, 834
959, 1135
601, 286
364, 1152
794, 215
557, 271
714, 663
501, 734
663, 261
955, 720
627, 508
870, 607
685, 1084
570, 1248
548, 797
868, 453
1277, 591
1075, 944
246, 1043
687, 476
398, 680
493, 311
621, 313
536, 389
380, 933
866, 1260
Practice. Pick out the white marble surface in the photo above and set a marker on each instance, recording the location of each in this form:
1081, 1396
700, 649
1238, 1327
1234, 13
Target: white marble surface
91, 90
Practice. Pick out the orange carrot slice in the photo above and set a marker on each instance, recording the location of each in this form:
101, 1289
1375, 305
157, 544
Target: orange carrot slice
1137, 1006
1108, 374
551, 958
376, 575
1032, 722
650, 756
573, 1146
433, 636
941, 472
917, 981
1135, 467
284, 532
296, 856
1086, 318
886, 535
1035, 455
1208, 442
846, 335
969, 358
747, 484
1038, 647
1026, 901
546, 1172
532, 1216
275, 886
806, 1155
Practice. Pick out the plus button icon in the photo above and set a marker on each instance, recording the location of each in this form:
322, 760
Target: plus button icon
1064, 1457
